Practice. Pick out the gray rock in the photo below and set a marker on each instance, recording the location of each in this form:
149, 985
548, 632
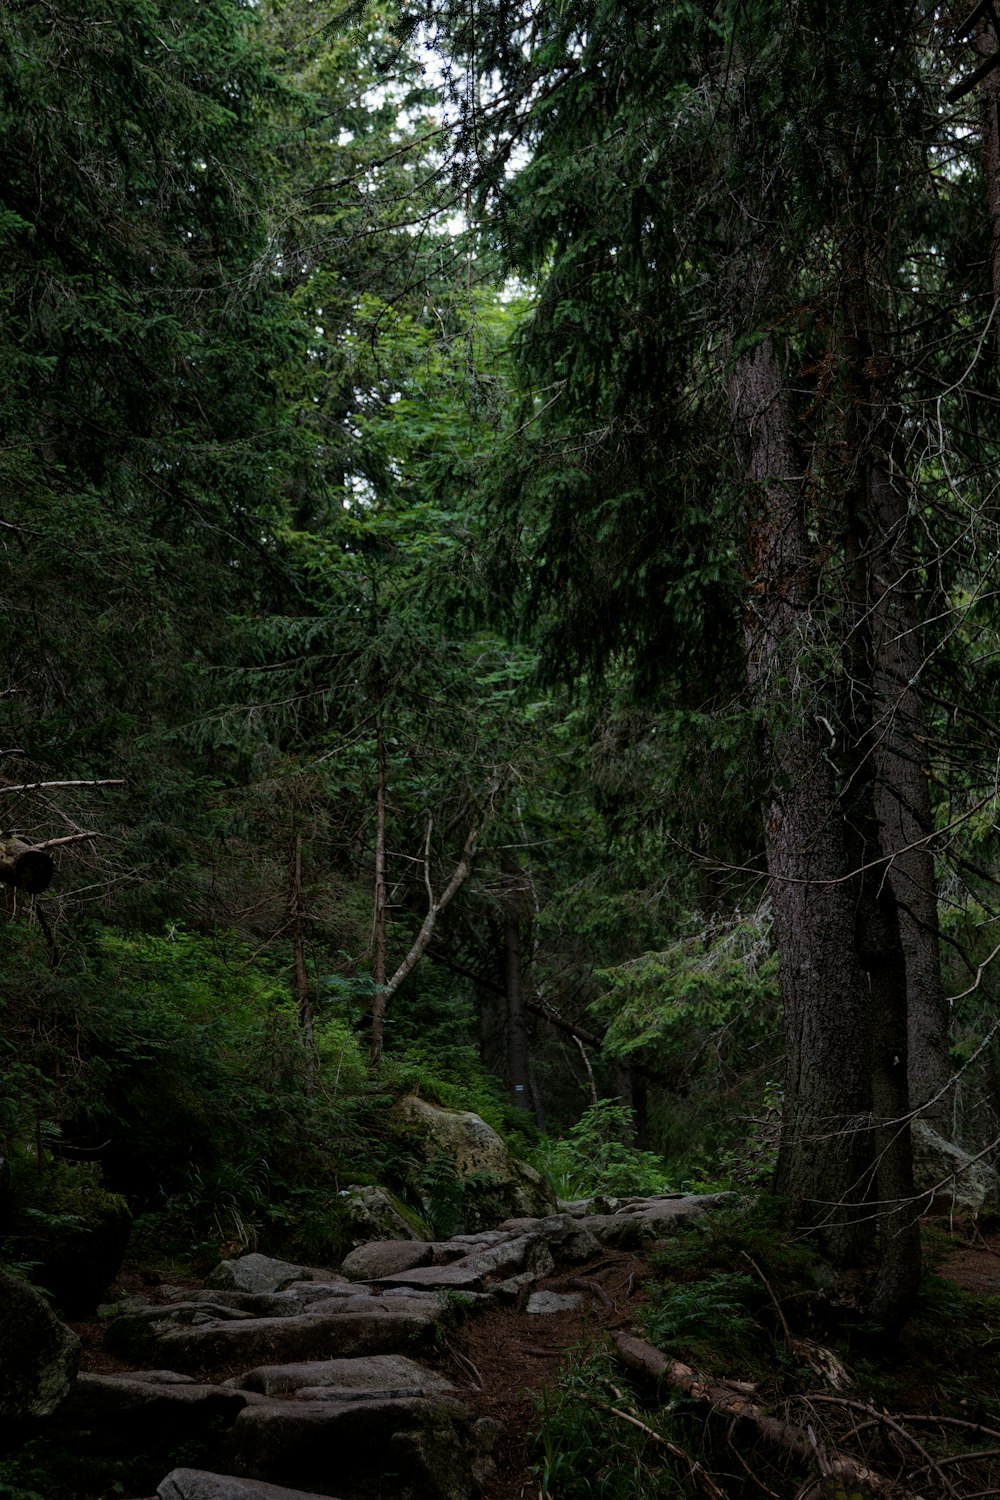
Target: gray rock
358, 1326
959, 1184
155, 1414
196, 1484
372, 1213
453, 1278
650, 1218
524, 1252
496, 1183
39, 1355
254, 1273
384, 1257
553, 1302
379, 1372
294, 1441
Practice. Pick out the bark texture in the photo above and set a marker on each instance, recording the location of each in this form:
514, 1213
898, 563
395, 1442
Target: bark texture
825, 1155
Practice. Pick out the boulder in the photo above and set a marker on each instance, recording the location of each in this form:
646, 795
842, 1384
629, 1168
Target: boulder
453, 1278
373, 1213
157, 1413
39, 1355
253, 1273
384, 1257
196, 1484
626, 1222
494, 1184
521, 1252
331, 1445
959, 1184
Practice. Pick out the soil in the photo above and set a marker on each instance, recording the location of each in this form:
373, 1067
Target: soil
503, 1360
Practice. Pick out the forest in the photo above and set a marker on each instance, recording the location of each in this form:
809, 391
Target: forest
501, 545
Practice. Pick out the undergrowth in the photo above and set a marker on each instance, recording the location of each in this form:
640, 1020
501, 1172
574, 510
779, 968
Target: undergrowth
734, 1297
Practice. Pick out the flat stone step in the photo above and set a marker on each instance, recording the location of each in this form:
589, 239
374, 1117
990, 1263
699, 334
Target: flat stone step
352, 1327
378, 1373
157, 1415
333, 1445
453, 1278
198, 1484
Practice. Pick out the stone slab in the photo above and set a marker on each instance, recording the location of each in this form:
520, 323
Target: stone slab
453, 1278
197, 1484
377, 1372
378, 1326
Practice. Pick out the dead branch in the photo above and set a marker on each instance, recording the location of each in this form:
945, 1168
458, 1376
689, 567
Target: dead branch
35, 786
697, 1470
637, 1355
68, 838
929, 1465
435, 908
930, 1419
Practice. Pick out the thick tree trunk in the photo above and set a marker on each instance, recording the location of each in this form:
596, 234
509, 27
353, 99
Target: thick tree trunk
902, 796
883, 785
825, 1157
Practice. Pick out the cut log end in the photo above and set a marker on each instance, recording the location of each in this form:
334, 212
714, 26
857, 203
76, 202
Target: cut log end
27, 868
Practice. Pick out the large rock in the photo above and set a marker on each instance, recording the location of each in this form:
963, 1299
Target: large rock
958, 1184
494, 1184
158, 1410
196, 1484
342, 1327
254, 1273
372, 1213
623, 1222
331, 1445
39, 1355
383, 1257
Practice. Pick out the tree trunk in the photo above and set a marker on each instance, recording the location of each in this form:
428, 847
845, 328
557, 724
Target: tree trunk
884, 773
825, 1157
296, 902
381, 915
987, 42
902, 796
516, 1029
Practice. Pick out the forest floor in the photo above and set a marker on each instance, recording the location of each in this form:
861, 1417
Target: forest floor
505, 1360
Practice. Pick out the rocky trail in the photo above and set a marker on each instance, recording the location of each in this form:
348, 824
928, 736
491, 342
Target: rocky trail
409, 1368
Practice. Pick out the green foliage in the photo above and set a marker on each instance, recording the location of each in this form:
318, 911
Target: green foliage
24, 1477
699, 1320
715, 988
442, 1192
595, 1156
64, 1227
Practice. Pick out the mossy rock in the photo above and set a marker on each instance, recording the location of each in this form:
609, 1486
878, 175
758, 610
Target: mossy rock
38, 1354
69, 1229
465, 1172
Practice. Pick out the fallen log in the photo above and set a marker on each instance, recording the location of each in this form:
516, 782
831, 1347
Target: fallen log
25, 866
645, 1359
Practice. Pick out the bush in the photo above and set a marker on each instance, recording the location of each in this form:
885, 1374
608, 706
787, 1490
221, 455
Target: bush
595, 1157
